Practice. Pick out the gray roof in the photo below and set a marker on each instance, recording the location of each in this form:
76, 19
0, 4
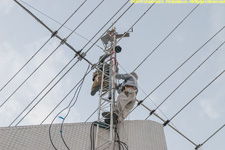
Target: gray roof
138, 135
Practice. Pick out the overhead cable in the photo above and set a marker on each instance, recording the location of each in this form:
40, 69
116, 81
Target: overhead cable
168, 123
194, 97
181, 65
42, 91
200, 145
41, 46
53, 34
166, 37
61, 43
186, 79
58, 22
63, 99
47, 92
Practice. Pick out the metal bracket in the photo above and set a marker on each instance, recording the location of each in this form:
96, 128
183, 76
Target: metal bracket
81, 56
63, 41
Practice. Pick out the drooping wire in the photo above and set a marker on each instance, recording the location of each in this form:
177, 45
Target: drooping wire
53, 34
42, 91
180, 66
75, 95
41, 48
69, 106
167, 36
194, 97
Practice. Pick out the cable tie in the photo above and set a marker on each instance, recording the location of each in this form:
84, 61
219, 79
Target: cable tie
61, 118
165, 123
93, 66
140, 102
54, 33
63, 41
152, 112
198, 146
81, 56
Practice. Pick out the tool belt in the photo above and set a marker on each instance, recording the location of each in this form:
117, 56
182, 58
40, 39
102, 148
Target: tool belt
125, 89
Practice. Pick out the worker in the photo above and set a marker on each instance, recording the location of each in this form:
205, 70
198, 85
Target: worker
126, 98
97, 76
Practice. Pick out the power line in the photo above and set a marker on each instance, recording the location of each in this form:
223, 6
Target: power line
58, 22
137, 21
181, 65
149, 99
186, 79
42, 91
29, 76
168, 123
25, 64
194, 98
48, 92
53, 34
166, 37
61, 43
200, 145
111, 25
76, 62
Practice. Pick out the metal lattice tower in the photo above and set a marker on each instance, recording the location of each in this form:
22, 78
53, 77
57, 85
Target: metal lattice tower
107, 90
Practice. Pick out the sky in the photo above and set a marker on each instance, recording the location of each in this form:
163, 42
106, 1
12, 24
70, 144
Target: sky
21, 36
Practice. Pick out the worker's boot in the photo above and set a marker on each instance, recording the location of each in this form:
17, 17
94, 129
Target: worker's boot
96, 85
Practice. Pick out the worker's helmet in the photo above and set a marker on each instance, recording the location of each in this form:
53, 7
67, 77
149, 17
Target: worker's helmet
134, 74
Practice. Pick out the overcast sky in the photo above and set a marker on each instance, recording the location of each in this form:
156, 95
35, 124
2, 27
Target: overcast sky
21, 36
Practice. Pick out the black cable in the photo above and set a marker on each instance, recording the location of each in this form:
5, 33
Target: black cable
194, 97
78, 89
167, 36
41, 91
66, 116
187, 78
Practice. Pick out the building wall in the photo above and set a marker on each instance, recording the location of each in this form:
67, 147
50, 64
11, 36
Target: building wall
138, 135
